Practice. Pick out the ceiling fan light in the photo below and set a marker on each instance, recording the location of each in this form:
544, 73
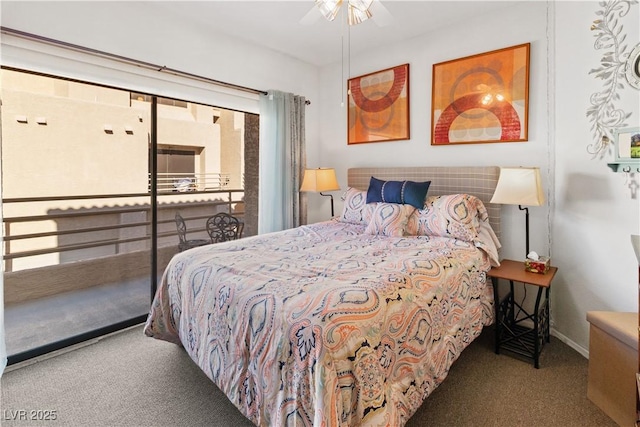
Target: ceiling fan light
329, 8
361, 4
358, 11
356, 16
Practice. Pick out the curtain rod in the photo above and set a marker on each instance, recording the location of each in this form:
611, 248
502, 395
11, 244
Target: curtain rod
161, 68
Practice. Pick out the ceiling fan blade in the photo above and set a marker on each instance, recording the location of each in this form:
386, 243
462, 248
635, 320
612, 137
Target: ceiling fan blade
380, 14
311, 17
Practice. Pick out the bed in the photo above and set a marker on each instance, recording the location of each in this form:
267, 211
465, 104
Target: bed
342, 322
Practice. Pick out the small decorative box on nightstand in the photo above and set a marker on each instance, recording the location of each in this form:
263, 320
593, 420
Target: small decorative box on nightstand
540, 266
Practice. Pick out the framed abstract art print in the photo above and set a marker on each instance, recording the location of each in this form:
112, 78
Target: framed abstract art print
481, 98
379, 106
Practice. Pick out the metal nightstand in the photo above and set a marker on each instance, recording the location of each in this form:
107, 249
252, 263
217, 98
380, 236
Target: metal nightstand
511, 334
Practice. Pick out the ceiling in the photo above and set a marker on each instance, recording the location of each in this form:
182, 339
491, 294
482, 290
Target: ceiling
272, 24
277, 24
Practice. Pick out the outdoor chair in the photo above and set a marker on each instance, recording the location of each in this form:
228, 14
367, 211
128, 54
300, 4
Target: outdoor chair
182, 235
223, 227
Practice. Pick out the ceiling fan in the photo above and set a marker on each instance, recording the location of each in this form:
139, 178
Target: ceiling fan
358, 11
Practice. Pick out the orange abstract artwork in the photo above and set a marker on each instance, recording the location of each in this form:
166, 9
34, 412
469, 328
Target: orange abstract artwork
481, 98
379, 106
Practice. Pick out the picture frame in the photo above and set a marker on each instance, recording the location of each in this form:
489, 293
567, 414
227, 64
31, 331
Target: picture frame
481, 98
378, 106
627, 144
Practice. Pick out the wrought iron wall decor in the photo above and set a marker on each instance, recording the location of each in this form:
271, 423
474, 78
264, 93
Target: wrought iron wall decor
618, 65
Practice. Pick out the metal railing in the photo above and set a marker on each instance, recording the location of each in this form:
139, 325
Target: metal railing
100, 223
188, 182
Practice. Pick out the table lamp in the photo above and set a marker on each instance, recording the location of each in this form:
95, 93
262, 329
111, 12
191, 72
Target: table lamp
319, 180
519, 186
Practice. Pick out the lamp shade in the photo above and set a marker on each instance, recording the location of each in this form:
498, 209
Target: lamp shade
321, 179
519, 186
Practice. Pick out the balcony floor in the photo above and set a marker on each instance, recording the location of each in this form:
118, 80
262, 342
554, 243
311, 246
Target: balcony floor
35, 323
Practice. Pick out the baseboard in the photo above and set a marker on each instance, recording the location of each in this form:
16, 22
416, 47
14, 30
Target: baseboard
577, 347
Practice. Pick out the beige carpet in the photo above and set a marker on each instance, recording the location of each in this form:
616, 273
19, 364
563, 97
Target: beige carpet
130, 380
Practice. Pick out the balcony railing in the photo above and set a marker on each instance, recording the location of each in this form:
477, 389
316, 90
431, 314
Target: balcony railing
63, 244
115, 220
187, 182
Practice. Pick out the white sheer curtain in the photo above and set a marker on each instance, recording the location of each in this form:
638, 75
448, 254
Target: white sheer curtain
282, 161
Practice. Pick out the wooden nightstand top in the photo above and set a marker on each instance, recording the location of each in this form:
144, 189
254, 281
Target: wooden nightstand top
514, 270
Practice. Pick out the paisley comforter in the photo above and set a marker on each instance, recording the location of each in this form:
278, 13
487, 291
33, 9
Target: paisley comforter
324, 325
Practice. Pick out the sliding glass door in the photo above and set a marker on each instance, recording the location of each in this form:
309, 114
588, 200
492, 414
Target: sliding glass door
94, 180
200, 169
76, 211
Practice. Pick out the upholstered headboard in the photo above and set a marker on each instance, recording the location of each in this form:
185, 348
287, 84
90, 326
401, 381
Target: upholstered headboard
479, 181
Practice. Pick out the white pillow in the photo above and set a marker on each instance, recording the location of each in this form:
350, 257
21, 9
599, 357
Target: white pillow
356, 210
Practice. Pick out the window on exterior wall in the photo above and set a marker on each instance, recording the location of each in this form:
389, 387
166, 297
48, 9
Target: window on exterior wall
176, 161
79, 207
176, 170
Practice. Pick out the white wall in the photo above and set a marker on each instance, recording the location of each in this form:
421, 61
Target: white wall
595, 214
589, 216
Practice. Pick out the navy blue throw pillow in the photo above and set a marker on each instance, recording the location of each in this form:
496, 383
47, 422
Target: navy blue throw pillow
401, 192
